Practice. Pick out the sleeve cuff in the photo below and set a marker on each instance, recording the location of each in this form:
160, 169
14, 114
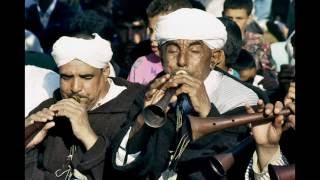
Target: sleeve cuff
96, 153
277, 159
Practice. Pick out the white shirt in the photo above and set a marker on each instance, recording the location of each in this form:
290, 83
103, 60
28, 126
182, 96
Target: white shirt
45, 16
113, 92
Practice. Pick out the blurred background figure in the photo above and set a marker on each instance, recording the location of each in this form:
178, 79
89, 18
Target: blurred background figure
232, 47
31, 42
282, 52
246, 66
147, 67
28, 3
214, 7
48, 20
40, 84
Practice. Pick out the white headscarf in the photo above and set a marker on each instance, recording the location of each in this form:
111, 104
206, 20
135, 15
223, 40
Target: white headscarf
95, 52
191, 24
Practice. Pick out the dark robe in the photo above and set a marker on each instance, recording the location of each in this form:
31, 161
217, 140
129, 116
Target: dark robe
106, 120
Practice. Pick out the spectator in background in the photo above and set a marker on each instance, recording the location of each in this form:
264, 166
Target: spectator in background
283, 11
286, 75
240, 12
48, 20
232, 47
282, 52
246, 66
262, 11
147, 67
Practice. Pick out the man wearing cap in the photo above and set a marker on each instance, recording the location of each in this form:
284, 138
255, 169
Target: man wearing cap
191, 41
84, 114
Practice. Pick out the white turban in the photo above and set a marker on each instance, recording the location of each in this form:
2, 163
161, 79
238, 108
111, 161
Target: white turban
95, 52
191, 24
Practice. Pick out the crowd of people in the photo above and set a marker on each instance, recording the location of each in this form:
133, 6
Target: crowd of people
98, 79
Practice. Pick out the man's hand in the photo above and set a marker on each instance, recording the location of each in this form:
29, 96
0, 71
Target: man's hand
267, 135
78, 117
44, 116
157, 90
291, 95
195, 90
291, 122
289, 102
184, 83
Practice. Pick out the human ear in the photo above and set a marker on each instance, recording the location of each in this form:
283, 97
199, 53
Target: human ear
250, 19
106, 71
217, 57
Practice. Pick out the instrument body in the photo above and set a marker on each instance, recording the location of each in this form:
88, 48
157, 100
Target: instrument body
204, 126
155, 115
282, 172
222, 162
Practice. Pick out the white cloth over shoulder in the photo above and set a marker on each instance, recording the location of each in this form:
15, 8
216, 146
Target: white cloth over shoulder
96, 52
191, 24
113, 92
39, 86
226, 93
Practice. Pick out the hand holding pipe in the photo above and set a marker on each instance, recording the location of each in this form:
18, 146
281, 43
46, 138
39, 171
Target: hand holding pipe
155, 114
33, 129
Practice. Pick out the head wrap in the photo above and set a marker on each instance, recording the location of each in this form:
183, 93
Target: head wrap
191, 24
95, 52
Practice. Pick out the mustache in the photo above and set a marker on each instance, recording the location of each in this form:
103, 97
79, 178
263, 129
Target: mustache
77, 97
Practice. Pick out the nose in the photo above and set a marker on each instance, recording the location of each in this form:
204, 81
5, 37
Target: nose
152, 36
76, 86
182, 59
